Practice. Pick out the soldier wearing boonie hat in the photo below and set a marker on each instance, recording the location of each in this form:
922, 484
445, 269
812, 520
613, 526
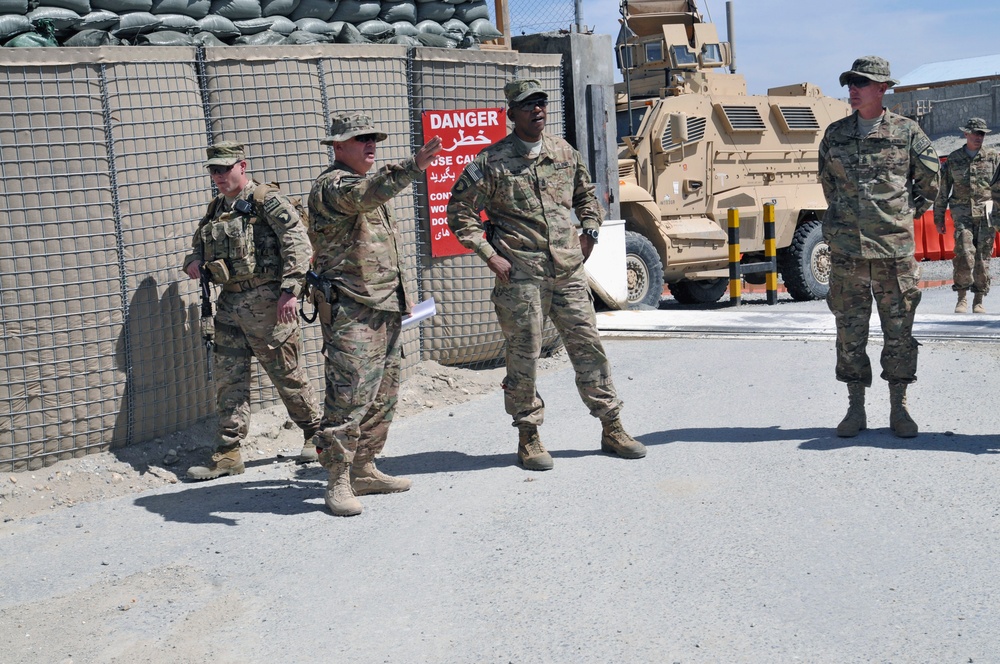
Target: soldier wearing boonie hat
966, 179
519, 90
359, 259
879, 171
257, 308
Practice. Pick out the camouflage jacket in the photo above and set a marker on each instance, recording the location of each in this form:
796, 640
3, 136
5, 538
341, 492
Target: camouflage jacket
528, 202
875, 185
965, 185
281, 246
355, 233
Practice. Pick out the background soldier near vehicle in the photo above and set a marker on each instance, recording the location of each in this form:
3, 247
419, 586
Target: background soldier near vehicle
363, 296
527, 183
965, 187
253, 243
878, 172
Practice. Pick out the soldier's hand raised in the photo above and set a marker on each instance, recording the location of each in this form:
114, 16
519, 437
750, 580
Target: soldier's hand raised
425, 155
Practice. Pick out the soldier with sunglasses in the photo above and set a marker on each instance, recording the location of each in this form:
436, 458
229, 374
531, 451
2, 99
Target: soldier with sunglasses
359, 259
879, 171
528, 183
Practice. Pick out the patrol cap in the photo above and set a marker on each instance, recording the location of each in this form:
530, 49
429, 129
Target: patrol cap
871, 67
225, 153
975, 124
521, 89
348, 125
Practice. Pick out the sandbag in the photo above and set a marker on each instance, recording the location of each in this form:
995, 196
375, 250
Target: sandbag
357, 11
435, 11
206, 39
432, 27
484, 30
164, 38
467, 12
266, 38
12, 25
398, 11
282, 25
220, 26
454, 28
278, 7
19, 7
437, 41
81, 7
31, 40
236, 10
253, 26
305, 37
62, 20
349, 34
100, 19
92, 37
194, 8
122, 6
376, 30
321, 9
134, 24
405, 29
316, 26
404, 40
178, 23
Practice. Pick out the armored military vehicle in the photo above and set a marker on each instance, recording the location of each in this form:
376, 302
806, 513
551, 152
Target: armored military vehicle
694, 144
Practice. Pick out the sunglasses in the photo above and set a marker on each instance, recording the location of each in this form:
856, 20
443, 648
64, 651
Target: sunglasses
220, 170
366, 138
858, 82
530, 104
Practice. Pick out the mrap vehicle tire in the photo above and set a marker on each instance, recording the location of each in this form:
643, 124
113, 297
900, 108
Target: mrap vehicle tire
805, 263
699, 291
644, 272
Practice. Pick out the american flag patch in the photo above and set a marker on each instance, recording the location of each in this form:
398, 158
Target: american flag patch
473, 170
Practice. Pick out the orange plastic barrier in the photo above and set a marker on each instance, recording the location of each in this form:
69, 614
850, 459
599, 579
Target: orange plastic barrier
996, 245
948, 239
924, 229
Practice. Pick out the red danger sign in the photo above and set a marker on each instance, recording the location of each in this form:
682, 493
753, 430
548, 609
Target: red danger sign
464, 133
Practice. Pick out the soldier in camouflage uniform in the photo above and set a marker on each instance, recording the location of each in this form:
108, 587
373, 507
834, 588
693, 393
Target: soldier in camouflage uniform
878, 171
253, 243
965, 186
528, 183
359, 259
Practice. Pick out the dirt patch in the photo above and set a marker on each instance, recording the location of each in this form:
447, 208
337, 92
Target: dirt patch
272, 435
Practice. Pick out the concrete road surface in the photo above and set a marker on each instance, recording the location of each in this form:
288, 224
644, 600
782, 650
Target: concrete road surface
750, 533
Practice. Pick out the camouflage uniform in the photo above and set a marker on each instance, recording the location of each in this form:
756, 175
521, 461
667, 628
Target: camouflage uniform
358, 248
529, 202
875, 185
965, 187
246, 321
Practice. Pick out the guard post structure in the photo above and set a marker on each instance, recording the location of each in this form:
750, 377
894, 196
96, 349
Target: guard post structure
735, 276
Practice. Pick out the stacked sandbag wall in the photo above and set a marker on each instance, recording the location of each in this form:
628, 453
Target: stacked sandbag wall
438, 23
104, 184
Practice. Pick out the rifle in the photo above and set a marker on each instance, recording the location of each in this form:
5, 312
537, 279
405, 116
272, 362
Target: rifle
207, 318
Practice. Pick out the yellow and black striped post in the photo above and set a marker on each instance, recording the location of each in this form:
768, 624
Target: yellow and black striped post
770, 253
735, 278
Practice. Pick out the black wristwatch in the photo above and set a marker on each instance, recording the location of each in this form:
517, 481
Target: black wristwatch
592, 232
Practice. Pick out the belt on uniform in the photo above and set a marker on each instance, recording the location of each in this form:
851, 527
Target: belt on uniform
241, 286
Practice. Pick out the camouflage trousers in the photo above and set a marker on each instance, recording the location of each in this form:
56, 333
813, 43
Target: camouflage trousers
363, 356
246, 325
892, 282
973, 249
522, 305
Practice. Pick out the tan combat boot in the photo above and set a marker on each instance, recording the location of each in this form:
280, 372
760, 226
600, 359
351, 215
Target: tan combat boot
308, 454
339, 497
977, 304
962, 307
367, 479
226, 462
855, 420
614, 440
899, 418
531, 454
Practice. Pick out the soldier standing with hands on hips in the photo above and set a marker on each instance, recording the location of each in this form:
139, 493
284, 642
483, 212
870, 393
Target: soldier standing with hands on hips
879, 172
965, 188
362, 299
252, 243
528, 182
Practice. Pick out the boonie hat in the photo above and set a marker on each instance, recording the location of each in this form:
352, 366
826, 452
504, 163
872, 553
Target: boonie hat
225, 153
523, 88
348, 125
871, 67
975, 124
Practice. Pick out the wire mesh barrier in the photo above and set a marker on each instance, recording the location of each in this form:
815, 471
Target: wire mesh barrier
531, 16
101, 166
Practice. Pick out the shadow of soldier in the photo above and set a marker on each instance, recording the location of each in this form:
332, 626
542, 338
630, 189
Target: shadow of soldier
164, 390
924, 442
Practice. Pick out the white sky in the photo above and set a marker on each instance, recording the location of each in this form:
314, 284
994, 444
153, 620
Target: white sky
780, 42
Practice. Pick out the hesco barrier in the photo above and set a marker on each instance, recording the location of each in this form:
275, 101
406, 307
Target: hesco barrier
103, 178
